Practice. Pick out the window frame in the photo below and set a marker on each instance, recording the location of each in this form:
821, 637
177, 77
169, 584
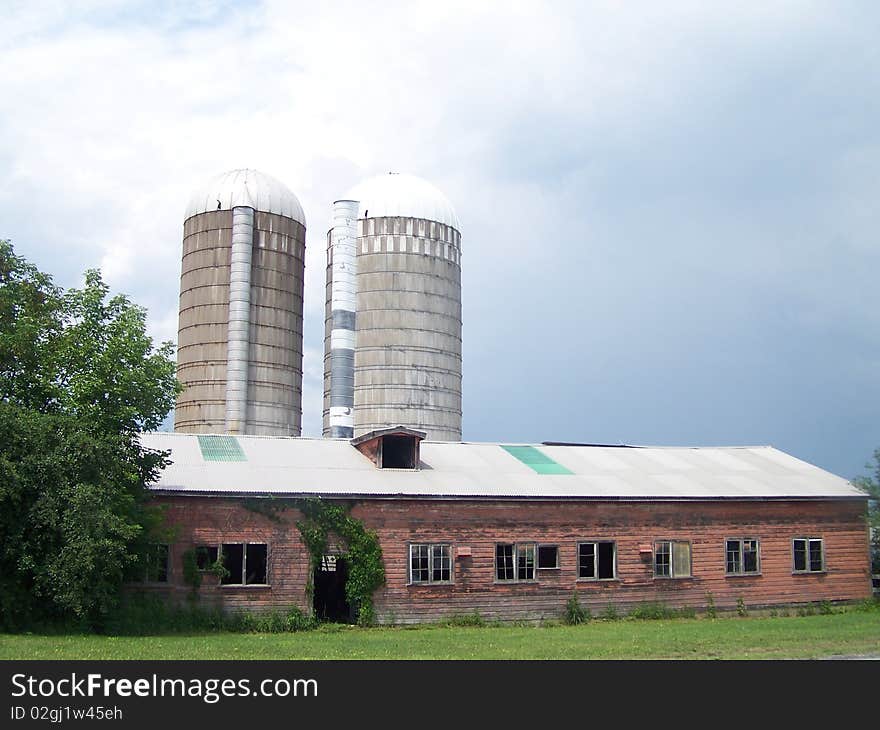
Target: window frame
742, 572
808, 570
558, 565
430, 581
672, 575
243, 577
516, 548
148, 580
596, 544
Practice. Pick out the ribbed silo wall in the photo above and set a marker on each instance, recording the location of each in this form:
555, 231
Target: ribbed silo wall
274, 388
408, 333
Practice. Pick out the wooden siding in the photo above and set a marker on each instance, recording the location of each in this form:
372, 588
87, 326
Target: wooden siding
479, 525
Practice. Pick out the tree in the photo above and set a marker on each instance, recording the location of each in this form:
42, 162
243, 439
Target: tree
79, 379
871, 485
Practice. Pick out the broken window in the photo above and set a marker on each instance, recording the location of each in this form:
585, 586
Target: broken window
742, 557
399, 452
672, 559
245, 563
430, 563
206, 556
548, 557
809, 555
515, 561
157, 565
596, 560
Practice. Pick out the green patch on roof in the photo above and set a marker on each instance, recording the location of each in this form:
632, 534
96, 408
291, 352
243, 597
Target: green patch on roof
536, 460
221, 448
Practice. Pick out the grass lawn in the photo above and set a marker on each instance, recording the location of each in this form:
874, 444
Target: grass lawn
723, 638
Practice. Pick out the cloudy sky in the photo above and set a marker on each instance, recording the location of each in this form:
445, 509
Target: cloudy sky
669, 209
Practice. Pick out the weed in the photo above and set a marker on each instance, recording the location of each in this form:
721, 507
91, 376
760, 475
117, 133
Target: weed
710, 606
741, 609
575, 613
652, 611
465, 619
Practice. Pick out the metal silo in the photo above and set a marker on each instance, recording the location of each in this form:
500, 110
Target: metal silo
392, 344
239, 353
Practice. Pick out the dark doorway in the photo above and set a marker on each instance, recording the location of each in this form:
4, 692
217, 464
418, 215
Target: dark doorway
330, 603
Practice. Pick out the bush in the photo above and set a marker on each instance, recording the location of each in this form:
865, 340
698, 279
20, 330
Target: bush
575, 613
825, 608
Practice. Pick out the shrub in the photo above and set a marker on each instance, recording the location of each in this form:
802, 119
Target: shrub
710, 606
575, 613
825, 608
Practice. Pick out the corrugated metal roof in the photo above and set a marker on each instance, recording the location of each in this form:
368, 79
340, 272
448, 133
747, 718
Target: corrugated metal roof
333, 467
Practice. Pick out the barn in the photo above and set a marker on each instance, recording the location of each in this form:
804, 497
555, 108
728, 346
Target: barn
506, 530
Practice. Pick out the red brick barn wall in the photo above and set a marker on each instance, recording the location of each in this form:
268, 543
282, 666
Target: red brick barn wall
479, 525
213, 521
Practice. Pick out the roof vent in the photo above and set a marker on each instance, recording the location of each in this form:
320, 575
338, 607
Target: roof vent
391, 448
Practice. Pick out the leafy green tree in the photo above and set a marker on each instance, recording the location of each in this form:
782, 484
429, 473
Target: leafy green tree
79, 379
871, 485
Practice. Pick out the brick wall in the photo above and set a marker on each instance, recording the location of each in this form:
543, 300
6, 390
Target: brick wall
480, 525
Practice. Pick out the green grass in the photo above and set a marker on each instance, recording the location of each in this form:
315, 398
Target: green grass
724, 638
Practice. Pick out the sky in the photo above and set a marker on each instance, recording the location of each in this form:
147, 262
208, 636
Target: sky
669, 210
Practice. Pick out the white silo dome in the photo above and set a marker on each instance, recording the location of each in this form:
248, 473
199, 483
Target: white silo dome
245, 187
398, 194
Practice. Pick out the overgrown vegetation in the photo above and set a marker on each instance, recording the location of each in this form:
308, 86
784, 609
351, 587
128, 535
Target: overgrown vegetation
79, 379
366, 570
150, 615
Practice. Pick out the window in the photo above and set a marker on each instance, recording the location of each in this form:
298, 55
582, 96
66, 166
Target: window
157, 565
430, 563
206, 556
245, 563
742, 557
515, 561
548, 557
672, 559
596, 560
809, 555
